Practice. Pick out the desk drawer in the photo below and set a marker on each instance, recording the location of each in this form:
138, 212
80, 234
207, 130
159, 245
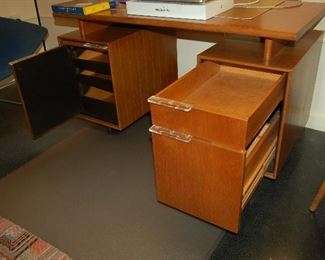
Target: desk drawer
259, 155
208, 181
222, 104
198, 177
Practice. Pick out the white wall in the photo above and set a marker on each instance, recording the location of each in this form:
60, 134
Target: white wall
19, 9
44, 7
187, 50
25, 10
317, 113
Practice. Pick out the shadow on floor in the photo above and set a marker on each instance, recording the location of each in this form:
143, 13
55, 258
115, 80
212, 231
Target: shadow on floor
16, 143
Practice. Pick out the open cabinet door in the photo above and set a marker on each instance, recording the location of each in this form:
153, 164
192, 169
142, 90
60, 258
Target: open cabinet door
48, 88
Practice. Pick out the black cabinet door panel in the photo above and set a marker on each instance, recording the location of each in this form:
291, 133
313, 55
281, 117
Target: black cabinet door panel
48, 88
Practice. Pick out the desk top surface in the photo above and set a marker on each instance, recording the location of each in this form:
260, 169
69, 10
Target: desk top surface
285, 24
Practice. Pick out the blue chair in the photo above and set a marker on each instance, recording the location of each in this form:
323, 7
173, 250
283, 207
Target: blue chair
18, 39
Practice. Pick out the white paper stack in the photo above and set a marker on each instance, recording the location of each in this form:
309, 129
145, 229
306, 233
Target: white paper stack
200, 11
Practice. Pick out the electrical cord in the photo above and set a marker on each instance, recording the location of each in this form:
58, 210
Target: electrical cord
246, 3
249, 5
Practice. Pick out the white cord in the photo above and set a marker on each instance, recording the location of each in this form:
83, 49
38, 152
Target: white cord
248, 6
247, 3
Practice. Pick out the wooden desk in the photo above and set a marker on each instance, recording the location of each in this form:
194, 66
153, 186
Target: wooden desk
278, 42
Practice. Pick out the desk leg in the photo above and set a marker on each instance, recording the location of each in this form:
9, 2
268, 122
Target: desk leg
318, 198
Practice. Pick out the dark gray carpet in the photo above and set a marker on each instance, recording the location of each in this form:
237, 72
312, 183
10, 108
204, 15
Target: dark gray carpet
93, 196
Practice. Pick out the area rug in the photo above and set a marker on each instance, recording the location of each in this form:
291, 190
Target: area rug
18, 243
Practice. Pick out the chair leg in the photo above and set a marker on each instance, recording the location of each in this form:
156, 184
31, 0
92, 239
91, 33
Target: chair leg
10, 81
318, 198
7, 83
10, 101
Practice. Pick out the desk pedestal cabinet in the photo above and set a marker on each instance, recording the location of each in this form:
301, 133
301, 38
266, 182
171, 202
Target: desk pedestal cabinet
105, 74
214, 136
227, 123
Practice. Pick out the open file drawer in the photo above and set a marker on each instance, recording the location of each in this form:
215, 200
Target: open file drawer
214, 134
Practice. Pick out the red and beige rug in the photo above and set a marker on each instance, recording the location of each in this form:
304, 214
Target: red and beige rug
18, 243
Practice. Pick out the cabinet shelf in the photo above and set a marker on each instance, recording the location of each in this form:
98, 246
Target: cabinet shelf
93, 61
92, 55
99, 104
98, 80
98, 94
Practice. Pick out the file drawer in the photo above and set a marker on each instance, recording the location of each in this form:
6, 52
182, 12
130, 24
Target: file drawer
214, 134
259, 156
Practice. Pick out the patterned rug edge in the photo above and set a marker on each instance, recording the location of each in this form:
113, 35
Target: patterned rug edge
18, 243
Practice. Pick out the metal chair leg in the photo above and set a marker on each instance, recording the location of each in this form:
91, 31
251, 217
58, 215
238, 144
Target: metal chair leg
10, 101
6, 85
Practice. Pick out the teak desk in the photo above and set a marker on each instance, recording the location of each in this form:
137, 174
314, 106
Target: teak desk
268, 64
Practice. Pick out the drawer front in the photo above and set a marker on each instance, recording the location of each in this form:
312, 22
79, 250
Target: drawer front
227, 106
259, 155
208, 126
198, 177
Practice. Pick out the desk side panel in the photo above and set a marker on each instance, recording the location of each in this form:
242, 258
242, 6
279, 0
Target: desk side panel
142, 64
297, 102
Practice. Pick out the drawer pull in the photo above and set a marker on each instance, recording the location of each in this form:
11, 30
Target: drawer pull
170, 103
95, 46
186, 138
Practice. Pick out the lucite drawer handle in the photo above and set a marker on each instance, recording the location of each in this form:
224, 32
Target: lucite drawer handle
170, 133
95, 46
170, 103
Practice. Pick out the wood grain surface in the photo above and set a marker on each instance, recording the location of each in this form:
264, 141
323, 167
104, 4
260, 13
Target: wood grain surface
286, 24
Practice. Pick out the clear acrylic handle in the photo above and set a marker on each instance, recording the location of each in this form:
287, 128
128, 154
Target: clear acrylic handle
186, 138
170, 103
95, 46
